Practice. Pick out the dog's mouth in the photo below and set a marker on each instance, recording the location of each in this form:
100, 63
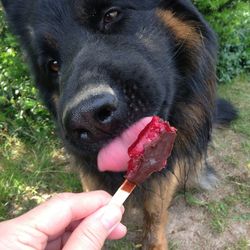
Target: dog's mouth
114, 157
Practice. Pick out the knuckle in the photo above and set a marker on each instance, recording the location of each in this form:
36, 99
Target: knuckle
62, 196
61, 200
102, 193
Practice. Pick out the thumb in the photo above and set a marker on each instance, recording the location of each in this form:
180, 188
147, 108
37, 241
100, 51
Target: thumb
94, 230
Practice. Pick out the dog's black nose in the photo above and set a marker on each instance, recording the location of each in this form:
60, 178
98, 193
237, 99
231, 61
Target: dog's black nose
92, 119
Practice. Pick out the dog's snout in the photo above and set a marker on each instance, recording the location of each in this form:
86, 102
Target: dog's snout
92, 118
103, 114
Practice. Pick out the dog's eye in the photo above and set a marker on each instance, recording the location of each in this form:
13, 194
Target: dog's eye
111, 16
53, 66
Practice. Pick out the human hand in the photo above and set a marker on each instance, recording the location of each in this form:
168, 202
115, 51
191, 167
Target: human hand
67, 221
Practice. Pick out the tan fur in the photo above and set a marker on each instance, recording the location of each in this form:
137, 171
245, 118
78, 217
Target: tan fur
89, 182
50, 41
55, 99
155, 210
212, 84
183, 31
195, 113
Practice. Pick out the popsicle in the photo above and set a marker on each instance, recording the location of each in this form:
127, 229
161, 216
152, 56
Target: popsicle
148, 154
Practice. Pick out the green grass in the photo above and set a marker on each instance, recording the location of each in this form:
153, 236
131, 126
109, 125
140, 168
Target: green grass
30, 172
125, 244
121, 244
242, 244
239, 94
223, 211
172, 245
219, 213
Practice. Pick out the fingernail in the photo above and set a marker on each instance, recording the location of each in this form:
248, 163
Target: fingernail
112, 216
123, 228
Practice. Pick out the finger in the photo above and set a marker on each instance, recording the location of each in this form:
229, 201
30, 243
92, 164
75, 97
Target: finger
119, 232
52, 217
73, 225
57, 244
94, 230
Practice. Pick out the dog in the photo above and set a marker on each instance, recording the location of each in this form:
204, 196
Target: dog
103, 67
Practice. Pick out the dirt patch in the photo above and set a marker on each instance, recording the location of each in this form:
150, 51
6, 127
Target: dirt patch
195, 232
196, 228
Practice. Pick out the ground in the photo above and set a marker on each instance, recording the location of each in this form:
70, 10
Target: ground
219, 219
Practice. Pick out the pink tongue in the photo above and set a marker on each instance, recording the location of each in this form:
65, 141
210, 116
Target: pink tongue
114, 157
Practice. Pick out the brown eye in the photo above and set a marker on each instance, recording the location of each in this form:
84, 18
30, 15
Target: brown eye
53, 66
111, 16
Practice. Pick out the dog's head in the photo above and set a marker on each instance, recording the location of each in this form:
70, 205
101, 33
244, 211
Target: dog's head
101, 65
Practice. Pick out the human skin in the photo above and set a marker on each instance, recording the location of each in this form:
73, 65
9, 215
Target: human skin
67, 221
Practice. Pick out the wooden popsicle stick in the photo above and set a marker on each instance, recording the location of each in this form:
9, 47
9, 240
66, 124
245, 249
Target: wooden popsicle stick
122, 193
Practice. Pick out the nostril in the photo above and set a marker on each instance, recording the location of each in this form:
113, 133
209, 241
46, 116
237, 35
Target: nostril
104, 114
82, 134
91, 119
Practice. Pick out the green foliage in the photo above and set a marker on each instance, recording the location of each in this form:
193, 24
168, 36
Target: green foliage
19, 104
30, 172
231, 20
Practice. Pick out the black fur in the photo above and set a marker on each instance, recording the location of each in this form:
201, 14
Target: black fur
225, 112
142, 57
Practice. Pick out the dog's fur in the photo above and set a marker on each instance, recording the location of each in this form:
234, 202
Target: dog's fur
158, 58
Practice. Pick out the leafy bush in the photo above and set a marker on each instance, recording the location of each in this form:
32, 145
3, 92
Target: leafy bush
18, 103
231, 20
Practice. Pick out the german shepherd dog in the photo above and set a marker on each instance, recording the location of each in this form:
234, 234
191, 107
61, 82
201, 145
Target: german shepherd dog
104, 66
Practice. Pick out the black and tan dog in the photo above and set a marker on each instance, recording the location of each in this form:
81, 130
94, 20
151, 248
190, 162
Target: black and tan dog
103, 65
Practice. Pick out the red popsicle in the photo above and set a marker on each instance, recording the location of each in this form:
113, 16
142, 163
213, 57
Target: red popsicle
150, 151
148, 154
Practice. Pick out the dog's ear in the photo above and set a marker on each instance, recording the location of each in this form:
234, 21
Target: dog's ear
5, 3
144, 5
17, 13
14, 8
139, 4
9, 5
